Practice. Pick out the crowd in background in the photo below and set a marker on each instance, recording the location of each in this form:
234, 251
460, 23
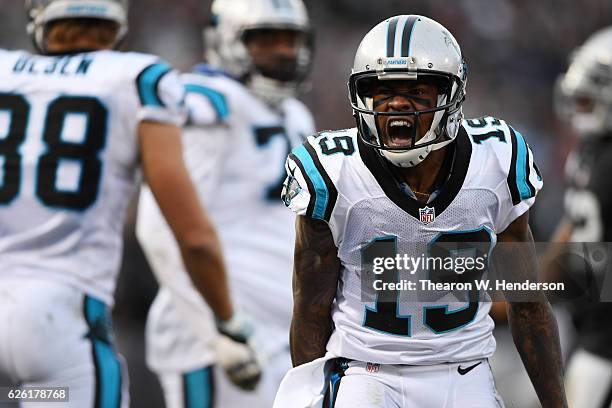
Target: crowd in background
515, 50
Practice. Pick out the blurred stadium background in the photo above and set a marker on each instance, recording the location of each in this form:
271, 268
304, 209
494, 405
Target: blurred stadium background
515, 50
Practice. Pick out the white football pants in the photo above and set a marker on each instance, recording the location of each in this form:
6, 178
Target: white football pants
208, 387
53, 335
454, 385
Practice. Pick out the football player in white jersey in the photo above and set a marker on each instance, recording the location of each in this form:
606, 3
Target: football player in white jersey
244, 120
412, 181
76, 124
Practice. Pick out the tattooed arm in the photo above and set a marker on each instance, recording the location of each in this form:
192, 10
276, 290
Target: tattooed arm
315, 279
533, 325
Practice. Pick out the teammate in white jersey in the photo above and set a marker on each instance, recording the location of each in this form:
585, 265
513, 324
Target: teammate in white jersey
76, 125
413, 181
244, 120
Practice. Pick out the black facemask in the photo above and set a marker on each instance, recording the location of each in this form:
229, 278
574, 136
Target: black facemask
281, 69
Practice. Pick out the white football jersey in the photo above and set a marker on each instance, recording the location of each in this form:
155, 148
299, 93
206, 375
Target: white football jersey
69, 159
235, 148
336, 178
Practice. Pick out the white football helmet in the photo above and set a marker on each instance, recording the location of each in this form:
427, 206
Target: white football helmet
225, 48
42, 12
409, 47
584, 92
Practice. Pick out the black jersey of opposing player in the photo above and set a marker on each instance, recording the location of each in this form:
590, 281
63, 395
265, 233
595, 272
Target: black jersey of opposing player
588, 202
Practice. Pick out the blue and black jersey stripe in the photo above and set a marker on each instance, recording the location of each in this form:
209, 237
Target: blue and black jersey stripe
323, 193
198, 388
147, 84
338, 371
520, 186
107, 366
334, 386
216, 98
309, 185
405, 33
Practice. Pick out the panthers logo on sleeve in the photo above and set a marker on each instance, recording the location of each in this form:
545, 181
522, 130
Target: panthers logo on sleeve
291, 188
312, 171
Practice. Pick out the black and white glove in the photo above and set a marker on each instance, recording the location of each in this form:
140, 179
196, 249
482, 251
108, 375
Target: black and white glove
235, 355
239, 328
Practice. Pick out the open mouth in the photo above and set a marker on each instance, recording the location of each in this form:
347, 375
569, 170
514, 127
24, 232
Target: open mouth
400, 131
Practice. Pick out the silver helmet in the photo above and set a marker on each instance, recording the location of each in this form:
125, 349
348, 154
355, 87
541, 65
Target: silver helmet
411, 48
583, 94
42, 12
231, 22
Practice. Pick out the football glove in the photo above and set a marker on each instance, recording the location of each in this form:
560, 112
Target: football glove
235, 355
239, 362
239, 328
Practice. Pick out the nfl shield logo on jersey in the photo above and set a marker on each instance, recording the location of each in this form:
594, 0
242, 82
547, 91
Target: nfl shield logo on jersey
372, 367
427, 214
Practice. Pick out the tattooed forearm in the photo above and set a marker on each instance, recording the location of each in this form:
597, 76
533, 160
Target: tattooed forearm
535, 335
533, 326
315, 279
308, 337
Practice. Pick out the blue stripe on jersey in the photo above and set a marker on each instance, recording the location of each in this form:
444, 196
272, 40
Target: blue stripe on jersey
197, 392
108, 368
217, 99
321, 192
148, 81
521, 168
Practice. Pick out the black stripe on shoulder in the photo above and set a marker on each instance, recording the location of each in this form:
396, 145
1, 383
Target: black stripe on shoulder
311, 189
147, 83
532, 190
511, 179
407, 34
537, 170
391, 36
331, 189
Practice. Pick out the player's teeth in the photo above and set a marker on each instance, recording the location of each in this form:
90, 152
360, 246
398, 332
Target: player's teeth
399, 123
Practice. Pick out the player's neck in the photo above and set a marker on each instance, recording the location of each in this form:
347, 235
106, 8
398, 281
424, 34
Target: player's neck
422, 177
